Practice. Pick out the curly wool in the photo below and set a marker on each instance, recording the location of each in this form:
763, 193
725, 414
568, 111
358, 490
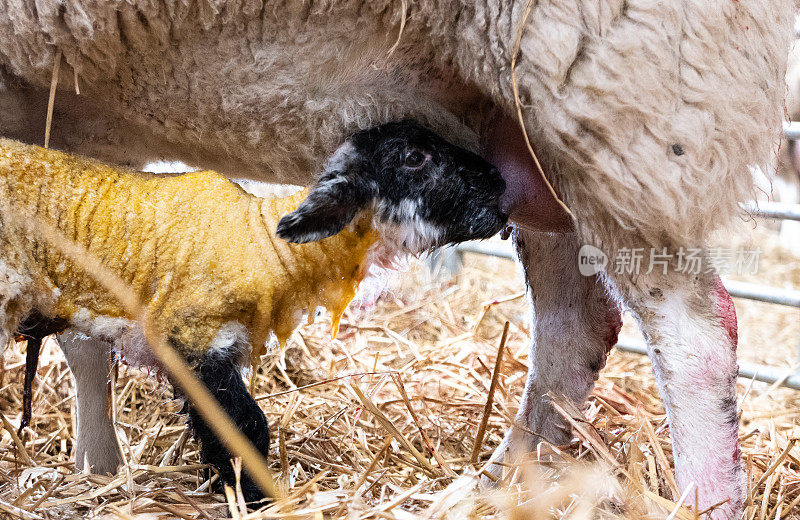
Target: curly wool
647, 115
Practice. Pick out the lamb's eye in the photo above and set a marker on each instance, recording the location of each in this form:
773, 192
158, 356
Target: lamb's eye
414, 159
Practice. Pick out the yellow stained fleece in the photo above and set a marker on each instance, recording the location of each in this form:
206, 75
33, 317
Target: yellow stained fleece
197, 249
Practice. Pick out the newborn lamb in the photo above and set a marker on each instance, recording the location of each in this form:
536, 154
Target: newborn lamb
205, 259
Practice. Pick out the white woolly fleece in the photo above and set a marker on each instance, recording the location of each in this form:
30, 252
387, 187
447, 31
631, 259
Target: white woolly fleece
609, 88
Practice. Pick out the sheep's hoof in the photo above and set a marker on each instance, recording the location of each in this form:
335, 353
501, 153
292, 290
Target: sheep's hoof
492, 476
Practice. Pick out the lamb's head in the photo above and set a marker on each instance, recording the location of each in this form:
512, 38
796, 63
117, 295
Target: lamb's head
424, 191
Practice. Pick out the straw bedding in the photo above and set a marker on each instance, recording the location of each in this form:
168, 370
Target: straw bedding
380, 423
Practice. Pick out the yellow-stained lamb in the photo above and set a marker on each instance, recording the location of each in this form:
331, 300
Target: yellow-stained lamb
217, 268
197, 249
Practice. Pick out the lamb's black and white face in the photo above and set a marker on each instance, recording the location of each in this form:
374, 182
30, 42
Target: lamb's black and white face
425, 192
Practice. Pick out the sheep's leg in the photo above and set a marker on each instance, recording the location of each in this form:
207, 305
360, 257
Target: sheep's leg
575, 325
689, 323
97, 445
31, 364
222, 374
34, 329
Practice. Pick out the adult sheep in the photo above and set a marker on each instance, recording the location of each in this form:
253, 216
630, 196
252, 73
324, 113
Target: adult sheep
646, 117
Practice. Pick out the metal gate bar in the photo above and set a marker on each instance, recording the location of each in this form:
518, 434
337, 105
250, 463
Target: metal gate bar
763, 373
776, 210
792, 130
748, 291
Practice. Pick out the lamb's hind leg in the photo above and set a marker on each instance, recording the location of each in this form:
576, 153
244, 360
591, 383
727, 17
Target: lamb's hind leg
689, 323
34, 328
574, 325
97, 445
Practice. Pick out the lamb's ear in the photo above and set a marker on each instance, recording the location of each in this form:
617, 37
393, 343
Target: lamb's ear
336, 199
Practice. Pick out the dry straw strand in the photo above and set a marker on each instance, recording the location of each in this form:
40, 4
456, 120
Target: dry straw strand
487, 409
518, 103
52, 98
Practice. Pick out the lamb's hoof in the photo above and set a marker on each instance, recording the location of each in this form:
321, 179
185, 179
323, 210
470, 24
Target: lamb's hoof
251, 493
253, 497
105, 457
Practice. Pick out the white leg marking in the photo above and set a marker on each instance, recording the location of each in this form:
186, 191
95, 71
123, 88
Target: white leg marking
690, 328
232, 340
97, 441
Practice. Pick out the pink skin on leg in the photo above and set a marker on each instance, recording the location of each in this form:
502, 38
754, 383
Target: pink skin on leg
691, 335
726, 311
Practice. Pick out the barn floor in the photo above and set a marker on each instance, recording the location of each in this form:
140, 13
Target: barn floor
348, 419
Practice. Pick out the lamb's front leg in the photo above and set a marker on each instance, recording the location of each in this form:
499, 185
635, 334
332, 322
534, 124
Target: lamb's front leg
221, 371
689, 323
574, 326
